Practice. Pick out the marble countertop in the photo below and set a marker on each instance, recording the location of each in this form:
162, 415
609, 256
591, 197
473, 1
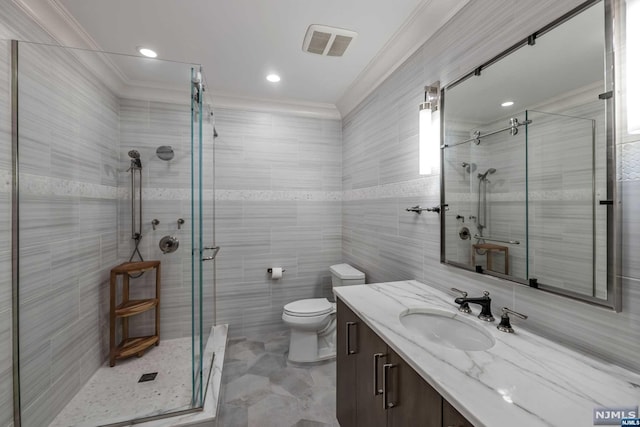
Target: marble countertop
523, 380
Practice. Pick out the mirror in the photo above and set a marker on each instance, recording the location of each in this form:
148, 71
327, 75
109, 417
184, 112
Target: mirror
525, 172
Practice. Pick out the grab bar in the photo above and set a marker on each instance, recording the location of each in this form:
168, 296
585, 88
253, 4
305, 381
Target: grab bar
513, 127
417, 209
216, 249
511, 242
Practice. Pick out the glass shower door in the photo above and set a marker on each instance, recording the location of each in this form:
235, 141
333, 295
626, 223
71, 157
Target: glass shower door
564, 161
202, 237
196, 236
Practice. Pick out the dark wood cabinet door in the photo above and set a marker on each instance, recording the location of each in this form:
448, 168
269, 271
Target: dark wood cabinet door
451, 417
348, 325
370, 412
414, 402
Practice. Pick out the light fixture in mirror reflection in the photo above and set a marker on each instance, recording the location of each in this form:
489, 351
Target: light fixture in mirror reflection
430, 131
633, 66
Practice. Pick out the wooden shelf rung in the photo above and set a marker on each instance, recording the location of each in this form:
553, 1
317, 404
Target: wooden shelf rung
133, 307
131, 346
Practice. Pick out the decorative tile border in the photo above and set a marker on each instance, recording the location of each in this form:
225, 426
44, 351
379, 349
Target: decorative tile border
414, 188
46, 186
266, 195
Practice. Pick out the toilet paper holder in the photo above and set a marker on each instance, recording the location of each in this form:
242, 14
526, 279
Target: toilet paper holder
270, 270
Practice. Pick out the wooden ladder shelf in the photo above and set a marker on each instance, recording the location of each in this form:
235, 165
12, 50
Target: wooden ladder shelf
130, 346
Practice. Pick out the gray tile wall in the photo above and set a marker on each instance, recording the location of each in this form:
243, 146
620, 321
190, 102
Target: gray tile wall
14, 24
68, 199
278, 205
390, 244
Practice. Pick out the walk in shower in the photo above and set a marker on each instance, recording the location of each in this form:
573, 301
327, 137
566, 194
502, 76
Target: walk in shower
113, 155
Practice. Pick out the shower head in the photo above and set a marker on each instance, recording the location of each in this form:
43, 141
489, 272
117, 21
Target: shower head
135, 159
483, 176
165, 152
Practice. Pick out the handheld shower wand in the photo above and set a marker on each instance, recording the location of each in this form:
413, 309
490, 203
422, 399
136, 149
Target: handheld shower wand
136, 226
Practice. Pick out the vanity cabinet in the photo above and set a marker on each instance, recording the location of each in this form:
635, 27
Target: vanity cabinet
346, 355
451, 417
377, 388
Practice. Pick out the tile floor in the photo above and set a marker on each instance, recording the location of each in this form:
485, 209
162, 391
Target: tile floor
114, 394
261, 389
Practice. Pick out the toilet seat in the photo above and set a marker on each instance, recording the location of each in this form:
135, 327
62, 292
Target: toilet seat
309, 307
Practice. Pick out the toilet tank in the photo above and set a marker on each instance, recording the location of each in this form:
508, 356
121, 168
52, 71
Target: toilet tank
345, 275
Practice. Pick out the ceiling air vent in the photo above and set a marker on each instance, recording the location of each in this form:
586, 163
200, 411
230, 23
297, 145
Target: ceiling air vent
328, 41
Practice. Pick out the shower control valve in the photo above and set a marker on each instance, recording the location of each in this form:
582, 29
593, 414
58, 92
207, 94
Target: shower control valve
154, 223
180, 222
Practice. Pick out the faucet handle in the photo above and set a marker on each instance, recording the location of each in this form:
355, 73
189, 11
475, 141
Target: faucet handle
505, 323
463, 293
464, 307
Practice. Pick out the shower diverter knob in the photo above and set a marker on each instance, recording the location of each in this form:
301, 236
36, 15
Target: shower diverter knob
169, 244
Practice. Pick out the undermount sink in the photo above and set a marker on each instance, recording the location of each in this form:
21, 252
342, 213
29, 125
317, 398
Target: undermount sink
447, 328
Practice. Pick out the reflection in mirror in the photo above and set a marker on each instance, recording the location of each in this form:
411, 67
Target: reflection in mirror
525, 162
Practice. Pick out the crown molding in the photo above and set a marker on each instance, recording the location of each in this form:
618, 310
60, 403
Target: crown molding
316, 110
177, 95
423, 23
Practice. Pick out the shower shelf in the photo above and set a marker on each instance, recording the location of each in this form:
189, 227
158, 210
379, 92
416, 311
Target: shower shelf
130, 346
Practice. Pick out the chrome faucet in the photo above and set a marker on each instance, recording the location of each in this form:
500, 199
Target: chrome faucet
483, 301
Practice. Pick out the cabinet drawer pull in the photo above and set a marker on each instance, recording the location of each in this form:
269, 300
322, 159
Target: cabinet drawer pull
376, 358
349, 351
386, 371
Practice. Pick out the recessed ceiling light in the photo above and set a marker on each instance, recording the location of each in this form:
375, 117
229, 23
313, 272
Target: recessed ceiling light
507, 104
273, 78
147, 52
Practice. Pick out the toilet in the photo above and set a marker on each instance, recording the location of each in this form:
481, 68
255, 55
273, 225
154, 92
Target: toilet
313, 321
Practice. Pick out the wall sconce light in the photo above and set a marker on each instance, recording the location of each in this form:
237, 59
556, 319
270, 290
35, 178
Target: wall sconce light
430, 130
632, 47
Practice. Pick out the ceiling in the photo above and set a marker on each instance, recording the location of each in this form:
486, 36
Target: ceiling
239, 42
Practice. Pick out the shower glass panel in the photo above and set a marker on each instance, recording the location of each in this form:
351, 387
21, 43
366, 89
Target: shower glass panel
85, 117
567, 231
203, 238
196, 234
485, 190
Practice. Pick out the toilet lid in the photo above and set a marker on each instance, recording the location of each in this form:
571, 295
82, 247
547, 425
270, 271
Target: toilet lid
309, 307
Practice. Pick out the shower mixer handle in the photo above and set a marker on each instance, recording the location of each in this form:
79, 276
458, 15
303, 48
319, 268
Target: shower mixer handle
154, 223
180, 223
